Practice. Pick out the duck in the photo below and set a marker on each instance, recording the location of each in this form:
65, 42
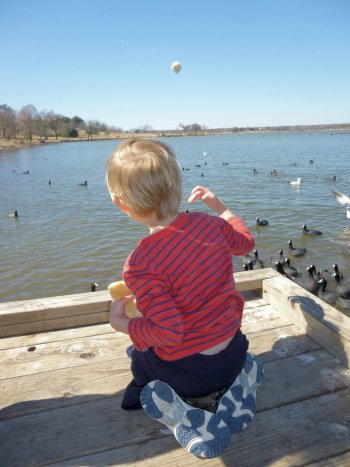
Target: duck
13, 214
296, 251
331, 179
83, 184
312, 284
93, 286
344, 200
328, 297
307, 231
280, 258
257, 263
279, 268
248, 266
261, 222
26, 172
336, 271
296, 182
288, 269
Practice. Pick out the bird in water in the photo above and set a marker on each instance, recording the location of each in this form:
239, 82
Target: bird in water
344, 200
93, 286
312, 284
326, 296
257, 263
279, 268
307, 231
296, 182
296, 251
261, 222
83, 184
288, 269
248, 266
13, 214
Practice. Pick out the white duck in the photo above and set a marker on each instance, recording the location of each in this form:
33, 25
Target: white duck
343, 199
296, 182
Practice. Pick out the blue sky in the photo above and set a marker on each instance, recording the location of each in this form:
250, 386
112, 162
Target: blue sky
244, 63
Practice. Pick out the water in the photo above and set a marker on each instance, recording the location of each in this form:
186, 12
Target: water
68, 236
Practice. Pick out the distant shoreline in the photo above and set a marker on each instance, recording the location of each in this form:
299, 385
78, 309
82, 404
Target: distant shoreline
20, 143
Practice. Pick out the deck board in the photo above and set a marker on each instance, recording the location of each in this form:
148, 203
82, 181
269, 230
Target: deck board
61, 392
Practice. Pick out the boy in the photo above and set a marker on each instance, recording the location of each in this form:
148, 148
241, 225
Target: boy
188, 342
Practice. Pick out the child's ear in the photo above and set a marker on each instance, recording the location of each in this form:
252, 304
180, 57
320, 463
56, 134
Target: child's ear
119, 204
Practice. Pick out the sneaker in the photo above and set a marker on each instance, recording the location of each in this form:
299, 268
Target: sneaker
237, 406
200, 432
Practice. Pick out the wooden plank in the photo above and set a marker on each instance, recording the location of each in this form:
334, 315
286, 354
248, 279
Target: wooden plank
322, 322
280, 343
48, 325
252, 280
29, 340
23, 311
43, 355
53, 389
56, 355
294, 434
45, 314
22, 340
343, 460
263, 317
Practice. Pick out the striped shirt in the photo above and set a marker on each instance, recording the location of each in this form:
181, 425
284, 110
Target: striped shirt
182, 279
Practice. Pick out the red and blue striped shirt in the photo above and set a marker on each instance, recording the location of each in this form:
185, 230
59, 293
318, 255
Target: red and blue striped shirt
182, 278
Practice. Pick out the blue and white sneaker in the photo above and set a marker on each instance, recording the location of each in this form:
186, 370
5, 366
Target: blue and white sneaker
202, 433
237, 406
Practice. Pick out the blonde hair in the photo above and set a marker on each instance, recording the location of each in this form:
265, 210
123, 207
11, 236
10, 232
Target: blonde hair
146, 177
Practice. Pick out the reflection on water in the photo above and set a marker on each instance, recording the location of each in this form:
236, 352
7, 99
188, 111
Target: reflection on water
68, 235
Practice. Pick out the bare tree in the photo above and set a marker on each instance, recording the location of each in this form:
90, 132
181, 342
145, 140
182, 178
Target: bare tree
26, 118
43, 124
53, 121
92, 128
7, 121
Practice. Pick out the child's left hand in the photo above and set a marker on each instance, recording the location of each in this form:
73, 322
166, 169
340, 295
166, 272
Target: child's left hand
117, 318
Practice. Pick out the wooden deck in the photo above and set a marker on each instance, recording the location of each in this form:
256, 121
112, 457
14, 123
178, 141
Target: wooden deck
63, 372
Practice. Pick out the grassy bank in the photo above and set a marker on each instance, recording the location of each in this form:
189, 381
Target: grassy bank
18, 143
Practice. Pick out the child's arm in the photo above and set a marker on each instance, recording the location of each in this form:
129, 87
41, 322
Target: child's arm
211, 200
117, 318
238, 236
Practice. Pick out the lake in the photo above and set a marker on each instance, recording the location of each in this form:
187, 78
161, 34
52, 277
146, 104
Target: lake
68, 236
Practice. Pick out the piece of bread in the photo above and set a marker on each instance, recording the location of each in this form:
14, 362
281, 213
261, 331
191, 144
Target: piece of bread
119, 290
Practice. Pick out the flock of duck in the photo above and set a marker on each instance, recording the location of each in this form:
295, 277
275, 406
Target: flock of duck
325, 284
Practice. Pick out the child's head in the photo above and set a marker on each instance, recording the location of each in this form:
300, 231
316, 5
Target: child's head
144, 175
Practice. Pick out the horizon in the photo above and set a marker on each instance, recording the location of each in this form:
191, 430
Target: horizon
266, 64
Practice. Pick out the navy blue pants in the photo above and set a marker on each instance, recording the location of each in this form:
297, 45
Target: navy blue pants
195, 376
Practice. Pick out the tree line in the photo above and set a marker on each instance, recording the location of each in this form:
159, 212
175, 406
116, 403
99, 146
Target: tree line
28, 121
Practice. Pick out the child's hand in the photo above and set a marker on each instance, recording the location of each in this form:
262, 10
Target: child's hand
117, 318
211, 200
